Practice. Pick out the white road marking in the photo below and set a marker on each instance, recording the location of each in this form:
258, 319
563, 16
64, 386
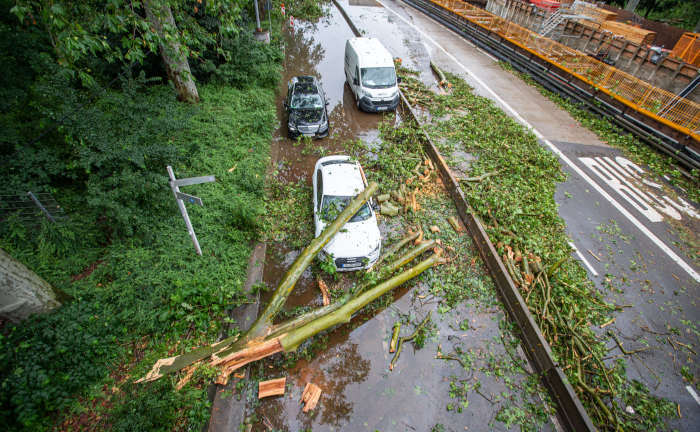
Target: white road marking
652, 237
585, 261
693, 394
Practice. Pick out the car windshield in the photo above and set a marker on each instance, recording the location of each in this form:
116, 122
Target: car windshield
378, 77
332, 206
306, 101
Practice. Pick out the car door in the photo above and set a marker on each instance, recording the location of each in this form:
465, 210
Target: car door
318, 195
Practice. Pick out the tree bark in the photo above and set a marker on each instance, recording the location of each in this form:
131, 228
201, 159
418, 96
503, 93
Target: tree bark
177, 67
22, 292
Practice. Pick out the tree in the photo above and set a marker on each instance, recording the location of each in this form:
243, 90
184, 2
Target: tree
176, 65
22, 292
85, 34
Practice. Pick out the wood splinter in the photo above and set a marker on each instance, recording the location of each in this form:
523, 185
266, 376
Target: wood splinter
274, 387
324, 291
310, 396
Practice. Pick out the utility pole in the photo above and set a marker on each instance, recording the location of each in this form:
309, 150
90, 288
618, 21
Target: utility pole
632, 5
180, 197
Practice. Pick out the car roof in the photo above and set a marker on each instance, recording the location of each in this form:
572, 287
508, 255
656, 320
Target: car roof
341, 178
305, 84
371, 52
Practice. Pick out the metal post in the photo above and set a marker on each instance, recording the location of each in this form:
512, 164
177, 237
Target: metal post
257, 19
41, 207
269, 15
183, 210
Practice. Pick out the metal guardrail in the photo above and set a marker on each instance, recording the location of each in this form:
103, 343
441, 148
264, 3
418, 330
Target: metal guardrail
569, 408
658, 132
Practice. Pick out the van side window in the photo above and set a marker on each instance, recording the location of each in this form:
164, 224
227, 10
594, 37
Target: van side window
319, 186
357, 73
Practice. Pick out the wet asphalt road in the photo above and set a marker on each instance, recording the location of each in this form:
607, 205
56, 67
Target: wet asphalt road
636, 236
596, 202
359, 392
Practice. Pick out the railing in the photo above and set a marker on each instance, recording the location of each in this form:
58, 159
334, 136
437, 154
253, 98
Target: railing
684, 116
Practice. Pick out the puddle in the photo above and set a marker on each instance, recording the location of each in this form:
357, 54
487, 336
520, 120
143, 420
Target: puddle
352, 368
318, 49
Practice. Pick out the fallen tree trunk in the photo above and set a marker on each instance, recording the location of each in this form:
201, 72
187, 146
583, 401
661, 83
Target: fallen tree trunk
232, 358
264, 321
291, 340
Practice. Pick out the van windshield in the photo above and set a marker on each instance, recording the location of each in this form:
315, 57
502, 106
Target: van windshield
378, 77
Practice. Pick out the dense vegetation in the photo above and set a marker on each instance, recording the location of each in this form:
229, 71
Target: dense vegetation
95, 126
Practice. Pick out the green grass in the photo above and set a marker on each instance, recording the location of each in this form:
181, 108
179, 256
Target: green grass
149, 296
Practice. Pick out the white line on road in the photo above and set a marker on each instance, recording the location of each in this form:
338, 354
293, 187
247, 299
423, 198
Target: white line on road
585, 261
650, 235
693, 394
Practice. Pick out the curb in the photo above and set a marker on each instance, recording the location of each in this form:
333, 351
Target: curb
569, 408
228, 412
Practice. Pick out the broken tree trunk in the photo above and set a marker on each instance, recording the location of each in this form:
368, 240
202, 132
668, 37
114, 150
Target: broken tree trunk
22, 292
173, 54
291, 340
279, 297
232, 357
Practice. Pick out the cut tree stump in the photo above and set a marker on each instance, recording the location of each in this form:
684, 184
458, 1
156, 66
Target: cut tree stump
274, 387
310, 396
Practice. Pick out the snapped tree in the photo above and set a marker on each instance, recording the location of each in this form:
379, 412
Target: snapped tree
22, 292
264, 339
125, 33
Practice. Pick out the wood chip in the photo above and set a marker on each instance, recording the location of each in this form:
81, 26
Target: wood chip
274, 387
324, 291
607, 323
594, 255
434, 228
310, 396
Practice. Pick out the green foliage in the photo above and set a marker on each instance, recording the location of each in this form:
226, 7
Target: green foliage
519, 212
151, 286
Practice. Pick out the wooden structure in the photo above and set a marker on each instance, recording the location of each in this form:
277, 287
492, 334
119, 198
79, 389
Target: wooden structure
633, 34
593, 12
688, 48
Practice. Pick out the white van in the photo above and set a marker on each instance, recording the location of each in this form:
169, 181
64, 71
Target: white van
370, 73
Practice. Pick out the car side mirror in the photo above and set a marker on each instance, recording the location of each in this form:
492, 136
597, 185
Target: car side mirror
355, 81
327, 103
375, 206
398, 79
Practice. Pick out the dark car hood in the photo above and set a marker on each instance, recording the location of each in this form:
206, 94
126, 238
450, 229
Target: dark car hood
305, 116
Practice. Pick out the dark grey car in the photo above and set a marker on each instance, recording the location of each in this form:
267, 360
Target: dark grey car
306, 108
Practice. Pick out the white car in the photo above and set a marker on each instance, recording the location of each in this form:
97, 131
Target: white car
337, 180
